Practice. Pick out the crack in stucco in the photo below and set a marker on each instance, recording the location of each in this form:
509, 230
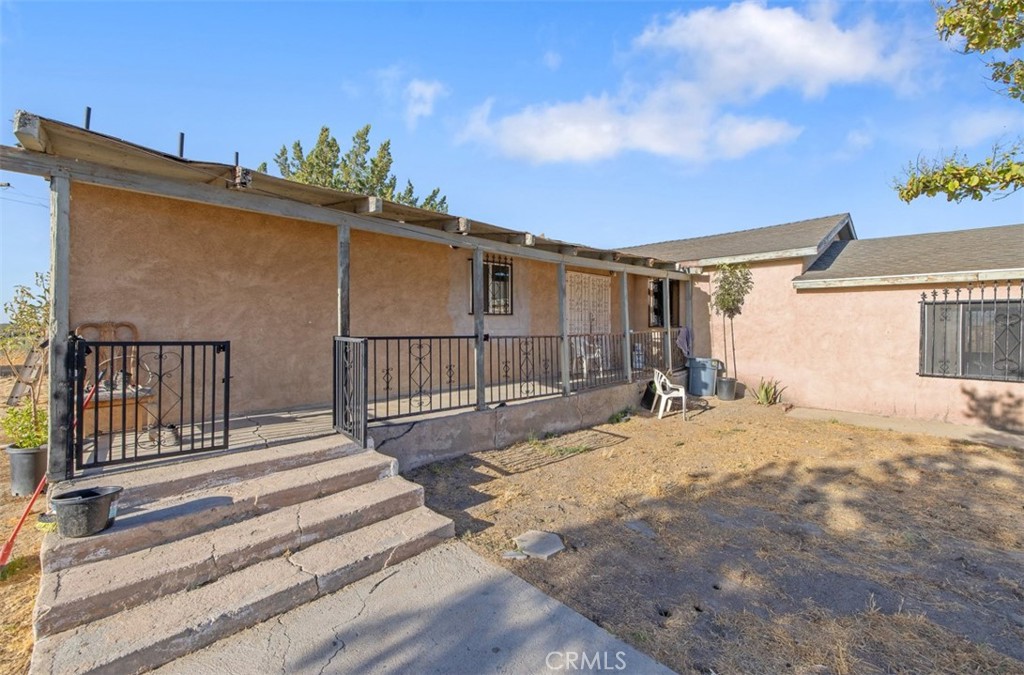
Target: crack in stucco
412, 425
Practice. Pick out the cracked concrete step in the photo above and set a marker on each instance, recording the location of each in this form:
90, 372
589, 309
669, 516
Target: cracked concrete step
153, 634
174, 518
85, 593
201, 471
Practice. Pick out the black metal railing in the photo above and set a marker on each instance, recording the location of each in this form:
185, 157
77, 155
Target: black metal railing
136, 401
648, 351
596, 360
417, 375
349, 412
518, 368
973, 333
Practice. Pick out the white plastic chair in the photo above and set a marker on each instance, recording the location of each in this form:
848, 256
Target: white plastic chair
665, 391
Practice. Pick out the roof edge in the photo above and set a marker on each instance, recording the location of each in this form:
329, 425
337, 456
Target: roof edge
1011, 274
759, 257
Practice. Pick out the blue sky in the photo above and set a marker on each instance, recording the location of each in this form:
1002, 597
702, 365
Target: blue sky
606, 123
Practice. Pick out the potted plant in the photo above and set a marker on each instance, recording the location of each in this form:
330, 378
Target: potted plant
732, 284
25, 427
23, 341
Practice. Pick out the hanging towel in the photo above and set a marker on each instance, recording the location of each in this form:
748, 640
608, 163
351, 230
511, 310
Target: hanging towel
685, 341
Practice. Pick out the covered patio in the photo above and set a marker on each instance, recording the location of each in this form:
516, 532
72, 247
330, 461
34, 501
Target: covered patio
449, 313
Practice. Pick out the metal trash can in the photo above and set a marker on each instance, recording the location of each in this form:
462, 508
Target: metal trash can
703, 376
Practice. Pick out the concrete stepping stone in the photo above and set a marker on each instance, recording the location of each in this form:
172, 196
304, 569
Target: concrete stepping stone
537, 544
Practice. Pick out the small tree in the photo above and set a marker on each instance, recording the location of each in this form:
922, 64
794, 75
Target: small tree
28, 314
732, 283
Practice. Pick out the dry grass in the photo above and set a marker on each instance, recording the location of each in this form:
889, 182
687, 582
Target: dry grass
781, 545
20, 584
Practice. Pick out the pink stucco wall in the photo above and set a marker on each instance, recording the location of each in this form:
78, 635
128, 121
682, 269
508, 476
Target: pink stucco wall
852, 349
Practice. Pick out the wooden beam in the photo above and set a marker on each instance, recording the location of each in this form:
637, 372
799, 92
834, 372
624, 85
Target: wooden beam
516, 238
30, 133
627, 347
569, 250
563, 328
456, 225
666, 299
60, 238
610, 256
255, 201
369, 205
478, 326
344, 295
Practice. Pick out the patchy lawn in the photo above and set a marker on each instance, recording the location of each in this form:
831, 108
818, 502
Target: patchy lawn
747, 541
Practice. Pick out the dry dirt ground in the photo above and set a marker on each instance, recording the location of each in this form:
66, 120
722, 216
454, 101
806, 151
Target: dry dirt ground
19, 582
746, 541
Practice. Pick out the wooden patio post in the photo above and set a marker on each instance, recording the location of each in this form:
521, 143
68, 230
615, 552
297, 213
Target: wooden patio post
344, 244
666, 301
60, 234
478, 326
563, 329
627, 348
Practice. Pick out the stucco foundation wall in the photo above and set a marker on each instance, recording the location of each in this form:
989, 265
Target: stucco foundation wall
184, 271
422, 441
853, 349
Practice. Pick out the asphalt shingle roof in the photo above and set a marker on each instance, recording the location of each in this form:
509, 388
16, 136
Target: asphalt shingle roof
785, 237
977, 250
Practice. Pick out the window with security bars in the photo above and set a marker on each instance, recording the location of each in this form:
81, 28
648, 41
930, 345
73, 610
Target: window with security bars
497, 285
973, 337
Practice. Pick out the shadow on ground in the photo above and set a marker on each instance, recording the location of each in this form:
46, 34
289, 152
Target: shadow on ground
767, 544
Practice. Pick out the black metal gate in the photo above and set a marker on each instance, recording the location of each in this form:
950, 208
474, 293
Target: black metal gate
137, 401
350, 388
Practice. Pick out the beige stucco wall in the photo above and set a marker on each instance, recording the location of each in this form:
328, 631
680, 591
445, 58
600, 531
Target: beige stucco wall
183, 271
852, 349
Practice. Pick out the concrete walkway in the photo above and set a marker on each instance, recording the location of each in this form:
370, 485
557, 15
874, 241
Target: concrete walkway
444, 611
961, 432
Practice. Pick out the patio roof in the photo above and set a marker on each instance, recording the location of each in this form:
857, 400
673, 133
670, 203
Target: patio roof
982, 254
50, 146
777, 242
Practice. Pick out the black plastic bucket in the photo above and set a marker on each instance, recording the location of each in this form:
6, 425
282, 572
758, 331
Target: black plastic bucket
28, 466
81, 513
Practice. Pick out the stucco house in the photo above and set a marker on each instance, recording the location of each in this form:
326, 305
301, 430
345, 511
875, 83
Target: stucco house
925, 326
233, 286
204, 290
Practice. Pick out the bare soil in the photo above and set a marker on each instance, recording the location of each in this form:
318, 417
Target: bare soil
746, 541
19, 583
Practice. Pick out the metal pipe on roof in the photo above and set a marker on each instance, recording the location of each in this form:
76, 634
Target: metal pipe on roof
88, 116
181, 144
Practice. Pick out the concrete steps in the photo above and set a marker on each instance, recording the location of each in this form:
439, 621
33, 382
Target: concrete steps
233, 547
152, 523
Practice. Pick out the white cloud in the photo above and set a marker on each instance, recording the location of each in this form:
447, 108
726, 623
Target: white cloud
420, 96
552, 60
857, 141
724, 60
749, 49
982, 126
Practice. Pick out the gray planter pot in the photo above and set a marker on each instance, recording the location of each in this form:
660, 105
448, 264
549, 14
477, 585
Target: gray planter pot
28, 466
